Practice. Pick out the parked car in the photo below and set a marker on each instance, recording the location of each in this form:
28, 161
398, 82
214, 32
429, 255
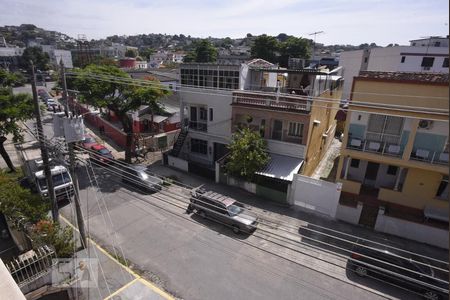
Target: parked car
136, 175
51, 104
87, 142
398, 268
101, 155
222, 209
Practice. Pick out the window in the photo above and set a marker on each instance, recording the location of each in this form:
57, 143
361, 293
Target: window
366, 59
437, 44
427, 62
202, 112
211, 116
442, 191
354, 163
199, 146
295, 129
445, 63
277, 130
403, 59
262, 128
413, 44
392, 170
383, 128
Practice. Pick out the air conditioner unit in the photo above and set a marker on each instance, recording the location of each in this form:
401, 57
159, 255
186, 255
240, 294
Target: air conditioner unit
425, 124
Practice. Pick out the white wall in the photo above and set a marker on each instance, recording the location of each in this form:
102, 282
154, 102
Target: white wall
315, 195
349, 214
383, 178
351, 61
438, 127
357, 173
283, 148
178, 163
354, 118
389, 59
219, 101
410, 230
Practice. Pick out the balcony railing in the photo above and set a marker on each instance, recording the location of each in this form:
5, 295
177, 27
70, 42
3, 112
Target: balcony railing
198, 126
383, 148
273, 101
429, 156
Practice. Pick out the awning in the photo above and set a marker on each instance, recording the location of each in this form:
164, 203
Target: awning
156, 118
281, 167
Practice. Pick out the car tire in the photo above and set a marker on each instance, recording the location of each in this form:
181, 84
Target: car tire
236, 229
361, 271
202, 214
431, 295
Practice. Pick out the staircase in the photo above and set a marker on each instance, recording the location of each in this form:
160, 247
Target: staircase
179, 143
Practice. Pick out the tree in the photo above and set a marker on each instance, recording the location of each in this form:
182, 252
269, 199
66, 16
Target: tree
294, 47
40, 59
13, 109
265, 47
204, 51
248, 153
18, 204
146, 52
46, 232
117, 96
282, 37
11, 79
131, 53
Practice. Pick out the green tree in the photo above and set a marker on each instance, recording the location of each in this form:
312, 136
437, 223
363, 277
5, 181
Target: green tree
248, 153
294, 47
18, 204
40, 59
46, 232
117, 96
131, 53
265, 47
146, 52
204, 51
11, 79
13, 109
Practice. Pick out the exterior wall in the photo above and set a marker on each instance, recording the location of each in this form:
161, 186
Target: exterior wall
352, 62
219, 101
317, 195
178, 163
349, 214
419, 189
288, 145
389, 59
414, 231
321, 135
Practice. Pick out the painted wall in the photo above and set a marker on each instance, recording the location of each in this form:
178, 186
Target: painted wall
315, 195
414, 231
349, 214
178, 163
352, 62
283, 148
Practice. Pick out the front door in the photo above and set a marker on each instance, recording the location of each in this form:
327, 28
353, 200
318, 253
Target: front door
371, 174
369, 215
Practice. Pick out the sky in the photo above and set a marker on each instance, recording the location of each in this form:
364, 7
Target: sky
342, 21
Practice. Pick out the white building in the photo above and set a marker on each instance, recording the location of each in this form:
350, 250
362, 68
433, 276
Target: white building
178, 57
9, 57
424, 55
56, 55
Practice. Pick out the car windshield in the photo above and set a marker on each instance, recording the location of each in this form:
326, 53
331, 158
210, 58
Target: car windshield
234, 210
58, 179
143, 175
103, 151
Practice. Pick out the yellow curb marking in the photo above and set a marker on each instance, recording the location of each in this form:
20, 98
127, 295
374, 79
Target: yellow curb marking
122, 288
137, 276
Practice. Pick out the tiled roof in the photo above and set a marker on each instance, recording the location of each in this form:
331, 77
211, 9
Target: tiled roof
406, 76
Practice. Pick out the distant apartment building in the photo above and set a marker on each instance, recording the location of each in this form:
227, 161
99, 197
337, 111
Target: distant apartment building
116, 51
217, 99
423, 55
56, 55
395, 155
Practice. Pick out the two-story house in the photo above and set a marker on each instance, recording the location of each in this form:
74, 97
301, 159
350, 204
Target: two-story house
395, 150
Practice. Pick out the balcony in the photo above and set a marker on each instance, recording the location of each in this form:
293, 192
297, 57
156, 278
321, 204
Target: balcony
429, 156
272, 101
198, 125
377, 147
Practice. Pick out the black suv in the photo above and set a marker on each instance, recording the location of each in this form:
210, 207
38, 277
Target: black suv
399, 268
222, 209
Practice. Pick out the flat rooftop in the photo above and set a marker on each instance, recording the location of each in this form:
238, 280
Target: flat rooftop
406, 76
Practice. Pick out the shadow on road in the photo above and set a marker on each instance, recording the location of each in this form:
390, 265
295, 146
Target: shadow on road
219, 228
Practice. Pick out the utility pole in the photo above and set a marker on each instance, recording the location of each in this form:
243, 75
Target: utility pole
314, 44
63, 79
78, 211
44, 151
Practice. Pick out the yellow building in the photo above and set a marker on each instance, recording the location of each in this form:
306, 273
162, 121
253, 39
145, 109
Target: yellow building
395, 148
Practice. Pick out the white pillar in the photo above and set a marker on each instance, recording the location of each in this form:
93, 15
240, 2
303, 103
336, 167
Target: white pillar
347, 164
397, 180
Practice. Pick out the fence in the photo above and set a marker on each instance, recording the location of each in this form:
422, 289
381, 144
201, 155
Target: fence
349, 214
